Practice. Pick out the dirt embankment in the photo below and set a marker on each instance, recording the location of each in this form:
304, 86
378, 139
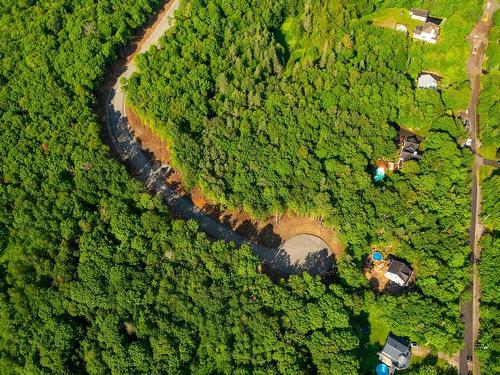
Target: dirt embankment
269, 232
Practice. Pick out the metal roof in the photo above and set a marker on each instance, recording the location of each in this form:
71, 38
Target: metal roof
399, 268
397, 350
419, 12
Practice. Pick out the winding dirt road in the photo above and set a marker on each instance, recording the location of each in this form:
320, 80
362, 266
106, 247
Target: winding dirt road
153, 173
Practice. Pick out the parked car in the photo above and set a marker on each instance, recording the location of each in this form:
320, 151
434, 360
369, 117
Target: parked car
470, 364
468, 142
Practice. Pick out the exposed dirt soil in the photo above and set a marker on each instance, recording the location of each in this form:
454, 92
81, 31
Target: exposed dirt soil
148, 140
269, 232
375, 273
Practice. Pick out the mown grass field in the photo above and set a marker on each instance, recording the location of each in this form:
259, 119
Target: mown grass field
390, 17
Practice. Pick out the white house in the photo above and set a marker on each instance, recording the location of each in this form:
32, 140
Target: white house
399, 273
427, 81
428, 32
419, 14
396, 353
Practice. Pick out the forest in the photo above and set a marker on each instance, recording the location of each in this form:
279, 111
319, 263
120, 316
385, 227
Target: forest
269, 106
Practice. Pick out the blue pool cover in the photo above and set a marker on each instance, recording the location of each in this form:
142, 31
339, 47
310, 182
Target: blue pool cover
379, 174
382, 369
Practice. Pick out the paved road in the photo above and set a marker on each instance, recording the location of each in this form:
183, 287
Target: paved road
154, 174
470, 310
491, 163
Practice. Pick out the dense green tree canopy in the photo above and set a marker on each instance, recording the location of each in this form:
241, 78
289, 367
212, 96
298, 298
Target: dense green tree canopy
287, 105
269, 106
94, 276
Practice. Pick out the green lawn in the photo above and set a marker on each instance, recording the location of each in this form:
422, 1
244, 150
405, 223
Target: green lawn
389, 17
379, 330
485, 171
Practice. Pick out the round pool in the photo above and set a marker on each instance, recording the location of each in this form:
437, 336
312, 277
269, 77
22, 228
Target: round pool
377, 256
382, 369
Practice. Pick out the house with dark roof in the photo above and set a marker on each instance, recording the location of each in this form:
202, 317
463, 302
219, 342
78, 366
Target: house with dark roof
419, 14
396, 353
428, 32
410, 146
399, 273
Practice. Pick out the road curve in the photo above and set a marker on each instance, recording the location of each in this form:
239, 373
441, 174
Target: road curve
153, 174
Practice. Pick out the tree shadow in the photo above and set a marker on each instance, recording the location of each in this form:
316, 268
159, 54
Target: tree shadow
315, 263
268, 237
283, 52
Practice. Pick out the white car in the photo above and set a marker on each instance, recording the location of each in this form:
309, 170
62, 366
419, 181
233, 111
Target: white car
468, 142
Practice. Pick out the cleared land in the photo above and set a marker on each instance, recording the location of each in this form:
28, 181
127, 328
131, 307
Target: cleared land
447, 55
390, 17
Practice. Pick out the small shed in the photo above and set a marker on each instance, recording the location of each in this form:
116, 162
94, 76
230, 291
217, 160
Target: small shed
396, 352
419, 14
428, 81
399, 273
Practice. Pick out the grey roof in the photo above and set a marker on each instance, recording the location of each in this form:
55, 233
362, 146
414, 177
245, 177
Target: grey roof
419, 12
399, 268
410, 149
427, 27
397, 350
411, 146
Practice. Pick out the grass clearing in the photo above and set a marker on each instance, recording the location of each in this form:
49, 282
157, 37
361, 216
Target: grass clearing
485, 171
379, 330
390, 17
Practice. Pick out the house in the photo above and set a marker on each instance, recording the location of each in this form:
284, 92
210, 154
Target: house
396, 353
410, 146
428, 32
419, 14
399, 273
428, 81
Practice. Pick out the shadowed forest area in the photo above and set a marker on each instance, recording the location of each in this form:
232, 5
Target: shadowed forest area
270, 107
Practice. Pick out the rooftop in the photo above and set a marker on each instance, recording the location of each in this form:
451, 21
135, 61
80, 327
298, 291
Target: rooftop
427, 28
419, 12
400, 269
396, 352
